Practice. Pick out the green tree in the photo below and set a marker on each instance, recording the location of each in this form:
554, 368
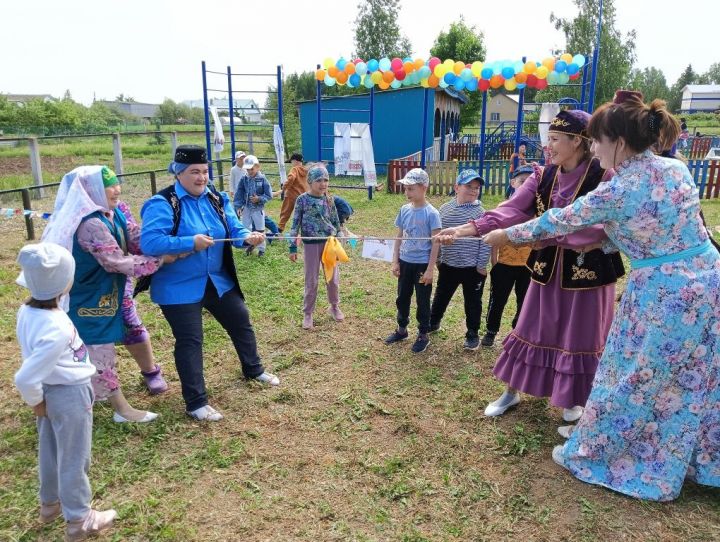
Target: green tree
617, 51
465, 43
169, 112
377, 33
687, 77
651, 82
713, 74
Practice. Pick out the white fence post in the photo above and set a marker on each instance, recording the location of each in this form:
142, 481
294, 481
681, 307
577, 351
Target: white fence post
36, 167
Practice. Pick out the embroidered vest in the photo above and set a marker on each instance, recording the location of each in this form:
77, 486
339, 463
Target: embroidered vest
96, 295
580, 270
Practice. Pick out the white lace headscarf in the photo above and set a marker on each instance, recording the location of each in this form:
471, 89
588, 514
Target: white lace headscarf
81, 192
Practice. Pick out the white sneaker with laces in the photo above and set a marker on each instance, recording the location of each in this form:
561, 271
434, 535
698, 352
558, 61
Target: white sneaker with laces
557, 455
573, 414
499, 406
149, 416
205, 414
268, 378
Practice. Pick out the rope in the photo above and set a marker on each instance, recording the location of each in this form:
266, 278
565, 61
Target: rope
358, 238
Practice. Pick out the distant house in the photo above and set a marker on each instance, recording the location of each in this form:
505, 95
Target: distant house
504, 107
24, 98
144, 111
699, 98
245, 111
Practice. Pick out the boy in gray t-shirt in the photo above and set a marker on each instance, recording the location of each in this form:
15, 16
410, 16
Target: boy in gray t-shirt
414, 258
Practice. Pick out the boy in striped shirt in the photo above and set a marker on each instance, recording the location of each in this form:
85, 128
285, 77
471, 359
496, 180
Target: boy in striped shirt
462, 263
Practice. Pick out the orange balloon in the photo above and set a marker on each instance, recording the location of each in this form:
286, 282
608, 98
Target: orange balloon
549, 63
388, 77
419, 63
409, 67
320, 75
567, 57
349, 68
433, 81
342, 78
384, 85
458, 67
521, 77
496, 81
529, 67
333, 71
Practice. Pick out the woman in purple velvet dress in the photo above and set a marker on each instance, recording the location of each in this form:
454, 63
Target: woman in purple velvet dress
555, 348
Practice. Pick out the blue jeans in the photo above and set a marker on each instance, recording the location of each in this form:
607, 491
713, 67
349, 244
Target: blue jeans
186, 324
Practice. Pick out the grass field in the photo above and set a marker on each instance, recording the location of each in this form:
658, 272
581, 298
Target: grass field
360, 442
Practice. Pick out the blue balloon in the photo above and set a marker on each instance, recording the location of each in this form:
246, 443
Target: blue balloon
553, 78
361, 68
572, 69
508, 72
560, 66
367, 82
521, 85
384, 64
449, 78
472, 85
372, 65
496, 68
396, 84
486, 73
518, 66
442, 84
354, 80
407, 59
341, 63
459, 84
329, 81
579, 60
563, 78
466, 74
424, 72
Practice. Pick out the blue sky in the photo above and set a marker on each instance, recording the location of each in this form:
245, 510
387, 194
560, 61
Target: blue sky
151, 49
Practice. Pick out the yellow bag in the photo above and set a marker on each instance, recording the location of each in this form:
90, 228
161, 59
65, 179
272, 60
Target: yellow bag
332, 254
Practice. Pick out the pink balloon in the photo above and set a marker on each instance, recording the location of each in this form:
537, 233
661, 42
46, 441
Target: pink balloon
434, 61
400, 74
396, 64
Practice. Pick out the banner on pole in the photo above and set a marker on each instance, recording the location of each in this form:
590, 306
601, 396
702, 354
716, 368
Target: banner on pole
279, 153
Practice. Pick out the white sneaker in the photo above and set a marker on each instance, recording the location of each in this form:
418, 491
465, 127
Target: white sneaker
149, 416
566, 430
268, 378
499, 406
573, 414
557, 455
205, 414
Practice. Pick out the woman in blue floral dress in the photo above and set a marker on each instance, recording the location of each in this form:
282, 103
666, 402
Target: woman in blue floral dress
653, 416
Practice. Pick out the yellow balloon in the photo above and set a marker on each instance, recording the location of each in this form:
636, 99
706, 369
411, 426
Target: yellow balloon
376, 77
424, 83
458, 67
541, 72
476, 68
449, 63
529, 67
438, 71
566, 57
510, 84
328, 62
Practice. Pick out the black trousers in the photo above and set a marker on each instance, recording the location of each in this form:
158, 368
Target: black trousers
449, 278
409, 282
186, 324
502, 279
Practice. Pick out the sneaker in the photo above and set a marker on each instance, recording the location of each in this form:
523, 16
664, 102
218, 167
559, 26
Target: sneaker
268, 378
557, 455
205, 414
154, 381
249, 250
396, 336
149, 416
566, 430
307, 321
50, 512
421, 343
261, 253
471, 343
572, 414
488, 339
336, 313
499, 406
434, 328
95, 522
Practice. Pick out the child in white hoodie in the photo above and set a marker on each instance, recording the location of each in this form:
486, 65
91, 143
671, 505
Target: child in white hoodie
54, 380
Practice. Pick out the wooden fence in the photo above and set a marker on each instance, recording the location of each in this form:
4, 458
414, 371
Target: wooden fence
443, 175
706, 174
